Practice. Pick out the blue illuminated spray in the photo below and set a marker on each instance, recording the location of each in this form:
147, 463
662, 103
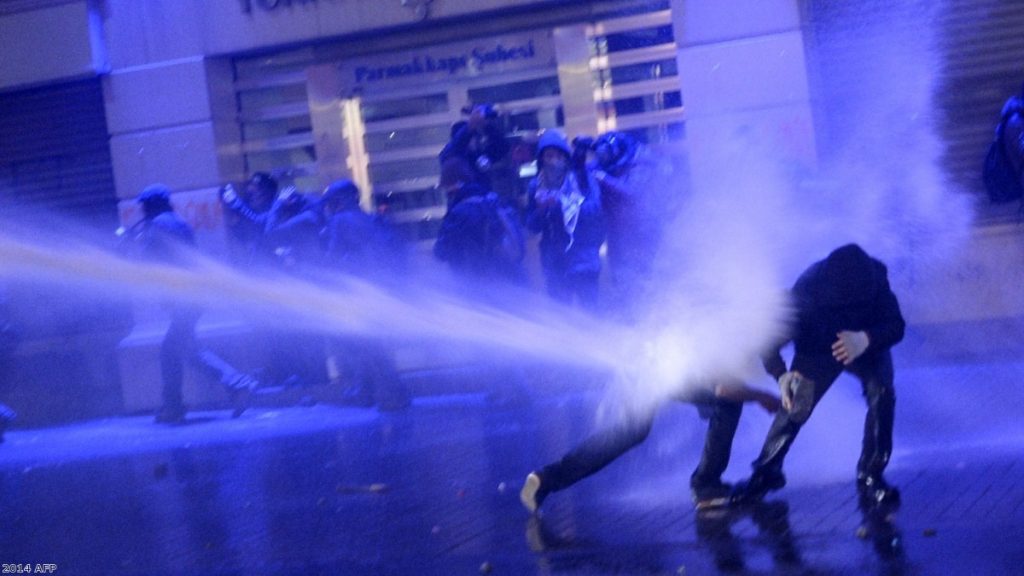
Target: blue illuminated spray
722, 272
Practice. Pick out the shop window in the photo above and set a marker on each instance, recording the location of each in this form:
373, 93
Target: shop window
405, 137
404, 169
635, 39
659, 133
378, 111
286, 165
647, 103
255, 102
535, 88
400, 201
640, 72
276, 128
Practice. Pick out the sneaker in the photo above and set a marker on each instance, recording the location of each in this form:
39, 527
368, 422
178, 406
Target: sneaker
532, 496
875, 491
755, 489
711, 495
170, 415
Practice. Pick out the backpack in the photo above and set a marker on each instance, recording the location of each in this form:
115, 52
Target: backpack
1002, 182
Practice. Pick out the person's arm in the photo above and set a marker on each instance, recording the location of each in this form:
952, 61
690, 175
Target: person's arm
539, 208
457, 145
740, 392
239, 207
889, 326
771, 358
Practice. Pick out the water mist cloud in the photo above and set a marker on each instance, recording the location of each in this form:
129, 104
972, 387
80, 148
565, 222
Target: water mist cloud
740, 240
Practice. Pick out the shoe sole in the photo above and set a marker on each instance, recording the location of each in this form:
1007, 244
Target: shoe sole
528, 495
710, 503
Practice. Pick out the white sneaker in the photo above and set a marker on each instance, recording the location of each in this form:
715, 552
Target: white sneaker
528, 495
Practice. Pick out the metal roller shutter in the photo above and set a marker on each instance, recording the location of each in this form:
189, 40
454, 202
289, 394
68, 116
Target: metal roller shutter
979, 52
55, 154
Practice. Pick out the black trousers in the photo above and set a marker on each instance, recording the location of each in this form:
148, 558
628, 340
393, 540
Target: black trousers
876, 376
180, 346
583, 286
602, 448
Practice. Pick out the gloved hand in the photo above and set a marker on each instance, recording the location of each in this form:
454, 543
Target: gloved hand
228, 194
787, 386
849, 346
797, 395
546, 200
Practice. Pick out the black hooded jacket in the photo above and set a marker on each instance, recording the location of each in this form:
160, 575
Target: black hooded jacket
848, 290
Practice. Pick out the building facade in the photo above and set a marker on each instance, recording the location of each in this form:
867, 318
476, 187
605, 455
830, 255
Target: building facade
103, 97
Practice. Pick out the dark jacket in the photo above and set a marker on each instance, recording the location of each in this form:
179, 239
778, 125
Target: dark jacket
478, 239
164, 238
848, 290
470, 145
293, 229
363, 245
556, 254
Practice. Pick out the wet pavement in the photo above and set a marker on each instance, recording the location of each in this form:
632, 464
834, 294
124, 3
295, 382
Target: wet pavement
434, 490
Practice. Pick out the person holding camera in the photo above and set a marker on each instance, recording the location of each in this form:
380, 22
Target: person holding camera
565, 208
481, 142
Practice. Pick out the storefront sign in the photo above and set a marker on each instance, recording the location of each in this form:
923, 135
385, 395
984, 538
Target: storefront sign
467, 59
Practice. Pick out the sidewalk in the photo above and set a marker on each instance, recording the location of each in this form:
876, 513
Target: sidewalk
434, 490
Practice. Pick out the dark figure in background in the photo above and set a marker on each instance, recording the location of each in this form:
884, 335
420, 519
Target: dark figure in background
293, 229
1013, 133
721, 407
481, 142
847, 320
1003, 172
482, 243
565, 208
479, 237
635, 198
366, 247
9, 340
164, 237
246, 218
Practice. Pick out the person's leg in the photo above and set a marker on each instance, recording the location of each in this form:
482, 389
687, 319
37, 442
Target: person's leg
557, 286
767, 475
706, 484
585, 459
877, 381
175, 347
390, 392
239, 385
585, 286
356, 375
